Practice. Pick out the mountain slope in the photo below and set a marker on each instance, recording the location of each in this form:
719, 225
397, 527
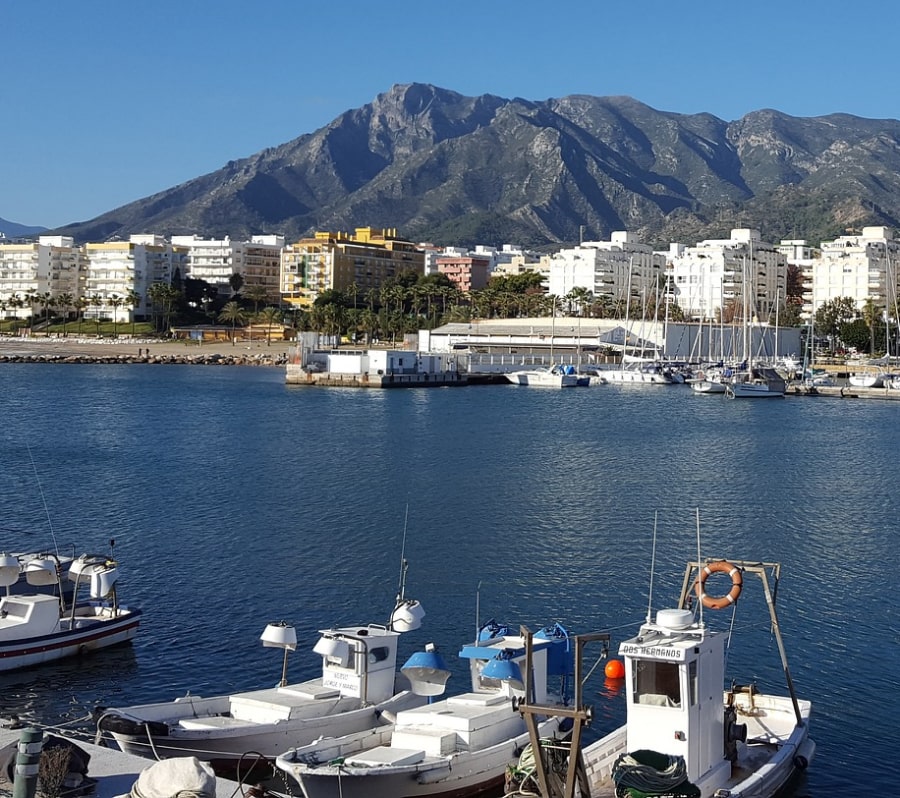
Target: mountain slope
454, 169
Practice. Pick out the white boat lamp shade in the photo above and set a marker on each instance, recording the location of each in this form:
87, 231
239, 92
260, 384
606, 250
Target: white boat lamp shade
279, 635
41, 571
334, 651
427, 672
9, 570
407, 616
503, 668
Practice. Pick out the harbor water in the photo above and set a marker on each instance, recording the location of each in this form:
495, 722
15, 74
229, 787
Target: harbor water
235, 500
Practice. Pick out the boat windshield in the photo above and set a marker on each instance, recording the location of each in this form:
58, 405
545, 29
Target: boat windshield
656, 683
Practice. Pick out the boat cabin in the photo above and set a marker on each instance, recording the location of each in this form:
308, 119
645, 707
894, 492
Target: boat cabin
28, 616
551, 656
359, 661
674, 676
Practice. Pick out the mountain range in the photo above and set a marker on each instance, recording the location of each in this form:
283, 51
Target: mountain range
16, 230
451, 169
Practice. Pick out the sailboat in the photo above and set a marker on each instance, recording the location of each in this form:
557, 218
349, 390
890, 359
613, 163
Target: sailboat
636, 368
754, 381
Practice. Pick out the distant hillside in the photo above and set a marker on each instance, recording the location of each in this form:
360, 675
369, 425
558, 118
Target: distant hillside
14, 230
462, 170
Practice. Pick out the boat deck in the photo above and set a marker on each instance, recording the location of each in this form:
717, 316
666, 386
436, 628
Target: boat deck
115, 772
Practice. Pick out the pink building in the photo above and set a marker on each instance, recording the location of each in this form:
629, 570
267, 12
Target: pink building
466, 273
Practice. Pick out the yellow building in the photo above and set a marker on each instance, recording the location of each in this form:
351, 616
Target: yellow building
340, 261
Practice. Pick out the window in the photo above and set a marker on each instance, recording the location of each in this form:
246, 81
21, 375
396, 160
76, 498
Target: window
656, 683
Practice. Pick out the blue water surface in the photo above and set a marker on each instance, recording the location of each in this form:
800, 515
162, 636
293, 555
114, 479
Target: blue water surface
235, 500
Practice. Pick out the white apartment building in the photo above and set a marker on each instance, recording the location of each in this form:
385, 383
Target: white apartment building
50, 267
117, 270
861, 267
615, 268
216, 261
709, 279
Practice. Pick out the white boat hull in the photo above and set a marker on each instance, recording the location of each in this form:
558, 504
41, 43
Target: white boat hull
464, 773
90, 634
706, 386
752, 391
777, 748
542, 379
636, 376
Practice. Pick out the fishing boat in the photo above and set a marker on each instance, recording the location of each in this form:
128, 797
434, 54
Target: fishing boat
358, 685
457, 746
684, 735
39, 627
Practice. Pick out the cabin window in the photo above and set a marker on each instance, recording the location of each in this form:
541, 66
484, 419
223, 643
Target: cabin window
656, 683
379, 654
692, 682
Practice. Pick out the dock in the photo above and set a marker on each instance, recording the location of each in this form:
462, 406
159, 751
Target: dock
845, 392
115, 772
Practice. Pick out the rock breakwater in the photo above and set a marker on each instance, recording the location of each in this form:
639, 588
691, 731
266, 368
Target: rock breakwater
211, 359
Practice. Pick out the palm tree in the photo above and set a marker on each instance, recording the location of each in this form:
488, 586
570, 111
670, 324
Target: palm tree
133, 300
30, 299
65, 302
256, 294
97, 302
80, 305
236, 282
269, 316
115, 302
232, 313
46, 301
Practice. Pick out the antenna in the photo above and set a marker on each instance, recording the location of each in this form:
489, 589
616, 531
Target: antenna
699, 564
652, 568
43, 499
477, 611
404, 565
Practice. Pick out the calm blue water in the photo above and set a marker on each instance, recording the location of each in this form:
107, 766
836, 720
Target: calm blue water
235, 500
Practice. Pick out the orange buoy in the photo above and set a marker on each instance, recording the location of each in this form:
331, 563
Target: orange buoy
614, 669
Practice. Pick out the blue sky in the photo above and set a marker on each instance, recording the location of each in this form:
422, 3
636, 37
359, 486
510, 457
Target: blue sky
108, 101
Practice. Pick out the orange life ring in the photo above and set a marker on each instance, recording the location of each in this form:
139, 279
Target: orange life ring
721, 567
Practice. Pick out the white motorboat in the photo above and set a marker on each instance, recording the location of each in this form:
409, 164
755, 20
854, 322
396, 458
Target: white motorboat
685, 736
457, 746
544, 378
648, 372
359, 684
37, 627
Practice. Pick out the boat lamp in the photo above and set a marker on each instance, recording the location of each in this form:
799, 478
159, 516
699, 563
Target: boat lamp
503, 668
280, 635
335, 651
427, 672
9, 570
407, 616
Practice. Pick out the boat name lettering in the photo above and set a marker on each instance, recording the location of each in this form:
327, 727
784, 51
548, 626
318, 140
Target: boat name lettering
346, 683
662, 652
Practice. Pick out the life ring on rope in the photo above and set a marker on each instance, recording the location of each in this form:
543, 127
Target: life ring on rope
720, 567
